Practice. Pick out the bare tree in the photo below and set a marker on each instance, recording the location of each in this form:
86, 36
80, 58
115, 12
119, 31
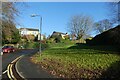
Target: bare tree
103, 25
80, 25
114, 12
9, 14
9, 11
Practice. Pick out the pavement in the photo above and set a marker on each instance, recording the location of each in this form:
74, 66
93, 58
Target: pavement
30, 70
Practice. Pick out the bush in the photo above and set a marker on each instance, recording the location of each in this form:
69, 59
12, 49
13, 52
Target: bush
110, 37
88, 40
30, 45
51, 40
44, 46
35, 45
58, 39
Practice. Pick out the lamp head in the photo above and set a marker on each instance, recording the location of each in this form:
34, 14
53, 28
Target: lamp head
34, 15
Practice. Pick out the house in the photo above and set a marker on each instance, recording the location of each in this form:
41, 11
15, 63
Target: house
42, 37
31, 34
56, 34
28, 37
73, 37
29, 31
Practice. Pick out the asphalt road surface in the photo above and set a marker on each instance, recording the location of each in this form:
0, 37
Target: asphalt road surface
7, 58
25, 67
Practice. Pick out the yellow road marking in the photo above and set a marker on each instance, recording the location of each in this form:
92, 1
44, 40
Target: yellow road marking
8, 73
9, 69
12, 72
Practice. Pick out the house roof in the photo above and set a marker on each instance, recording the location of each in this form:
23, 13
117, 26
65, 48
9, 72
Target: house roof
57, 33
30, 29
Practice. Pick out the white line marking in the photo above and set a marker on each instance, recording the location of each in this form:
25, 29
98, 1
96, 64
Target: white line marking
5, 72
17, 68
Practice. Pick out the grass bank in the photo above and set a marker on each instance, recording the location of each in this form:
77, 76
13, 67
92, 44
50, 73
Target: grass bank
69, 60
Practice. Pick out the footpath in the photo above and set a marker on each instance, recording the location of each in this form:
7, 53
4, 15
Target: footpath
27, 69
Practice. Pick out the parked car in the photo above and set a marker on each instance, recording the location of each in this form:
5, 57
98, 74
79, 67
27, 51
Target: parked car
8, 49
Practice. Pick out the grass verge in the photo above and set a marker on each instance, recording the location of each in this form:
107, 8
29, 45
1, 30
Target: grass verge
67, 61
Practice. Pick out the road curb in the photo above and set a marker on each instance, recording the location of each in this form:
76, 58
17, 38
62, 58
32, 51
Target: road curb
16, 67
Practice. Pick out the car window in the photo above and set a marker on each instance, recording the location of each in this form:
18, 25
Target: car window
6, 47
11, 46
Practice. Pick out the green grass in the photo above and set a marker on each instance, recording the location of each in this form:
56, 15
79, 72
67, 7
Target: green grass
61, 57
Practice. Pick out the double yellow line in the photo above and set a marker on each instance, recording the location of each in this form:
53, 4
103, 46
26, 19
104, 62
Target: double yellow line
10, 66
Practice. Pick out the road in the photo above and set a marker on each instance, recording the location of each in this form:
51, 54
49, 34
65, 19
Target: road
7, 58
25, 67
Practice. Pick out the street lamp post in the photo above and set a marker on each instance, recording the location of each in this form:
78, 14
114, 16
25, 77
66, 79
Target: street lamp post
40, 32
34, 15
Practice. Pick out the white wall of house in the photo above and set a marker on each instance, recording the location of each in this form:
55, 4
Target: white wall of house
41, 37
27, 32
63, 35
35, 33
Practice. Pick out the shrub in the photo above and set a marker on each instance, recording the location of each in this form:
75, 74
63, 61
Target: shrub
51, 40
58, 39
110, 37
44, 46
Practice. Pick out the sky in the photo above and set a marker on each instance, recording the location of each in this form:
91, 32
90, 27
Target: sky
56, 15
